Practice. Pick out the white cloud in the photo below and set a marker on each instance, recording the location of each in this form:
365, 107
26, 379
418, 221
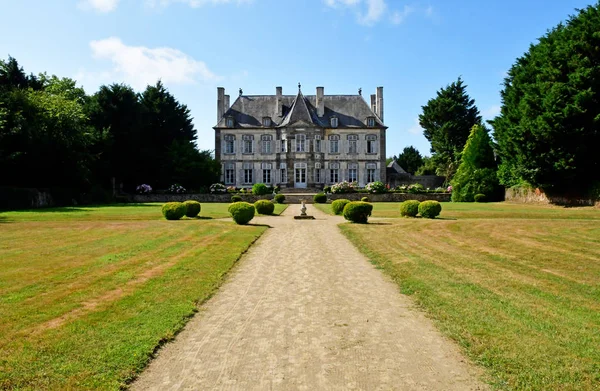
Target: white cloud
195, 3
415, 128
399, 16
140, 66
103, 6
429, 11
491, 112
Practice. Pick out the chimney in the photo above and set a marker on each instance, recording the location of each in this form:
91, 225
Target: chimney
278, 104
220, 103
373, 105
226, 104
379, 111
320, 101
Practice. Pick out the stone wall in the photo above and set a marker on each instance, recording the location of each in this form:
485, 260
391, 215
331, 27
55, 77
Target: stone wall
21, 198
289, 199
537, 196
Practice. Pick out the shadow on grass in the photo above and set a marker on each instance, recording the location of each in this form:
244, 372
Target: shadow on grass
5, 220
201, 218
62, 209
259, 225
378, 223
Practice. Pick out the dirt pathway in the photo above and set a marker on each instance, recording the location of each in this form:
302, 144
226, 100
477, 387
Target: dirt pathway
305, 310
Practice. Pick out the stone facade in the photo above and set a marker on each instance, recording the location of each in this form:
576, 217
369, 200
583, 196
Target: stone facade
298, 141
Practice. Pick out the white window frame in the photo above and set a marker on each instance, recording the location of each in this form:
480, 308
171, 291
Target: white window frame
352, 172
334, 173
248, 144
371, 122
229, 174
229, 122
371, 143
334, 143
283, 172
267, 122
229, 144
267, 141
353, 143
301, 143
317, 146
371, 172
334, 122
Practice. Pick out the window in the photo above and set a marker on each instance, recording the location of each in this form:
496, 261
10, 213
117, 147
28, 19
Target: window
229, 122
334, 173
266, 122
371, 170
266, 171
318, 143
283, 145
300, 143
229, 173
266, 140
283, 171
334, 122
248, 143
334, 143
371, 143
371, 122
229, 143
318, 173
352, 143
352, 172
248, 173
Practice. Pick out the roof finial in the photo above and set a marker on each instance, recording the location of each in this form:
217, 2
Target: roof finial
360, 91
241, 92
299, 86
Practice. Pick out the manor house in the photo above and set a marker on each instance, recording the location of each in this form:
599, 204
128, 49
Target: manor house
300, 141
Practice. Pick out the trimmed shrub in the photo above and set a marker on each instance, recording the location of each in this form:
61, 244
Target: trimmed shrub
260, 189
480, 198
264, 207
430, 209
365, 199
409, 208
236, 198
174, 210
358, 212
376, 187
279, 198
327, 189
320, 198
337, 206
192, 208
242, 212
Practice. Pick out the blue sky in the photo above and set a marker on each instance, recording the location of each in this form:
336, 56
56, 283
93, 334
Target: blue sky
411, 48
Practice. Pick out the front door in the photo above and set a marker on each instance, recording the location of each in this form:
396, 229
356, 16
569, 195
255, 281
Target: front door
300, 177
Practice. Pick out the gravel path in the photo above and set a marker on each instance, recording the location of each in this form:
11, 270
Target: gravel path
305, 310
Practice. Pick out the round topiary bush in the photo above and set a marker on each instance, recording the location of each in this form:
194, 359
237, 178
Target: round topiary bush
236, 198
480, 198
242, 212
279, 198
430, 209
264, 207
174, 210
337, 206
192, 208
365, 199
260, 189
358, 212
320, 198
409, 208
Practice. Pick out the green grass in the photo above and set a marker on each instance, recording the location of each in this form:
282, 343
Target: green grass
517, 286
497, 210
122, 212
88, 294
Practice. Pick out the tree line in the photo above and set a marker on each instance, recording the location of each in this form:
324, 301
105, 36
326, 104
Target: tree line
55, 136
548, 130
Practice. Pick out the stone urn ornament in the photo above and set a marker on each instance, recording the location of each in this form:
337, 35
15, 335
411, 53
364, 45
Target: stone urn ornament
303, 215
303, 209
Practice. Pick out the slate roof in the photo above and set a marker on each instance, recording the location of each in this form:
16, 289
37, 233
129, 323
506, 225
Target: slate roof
248, 111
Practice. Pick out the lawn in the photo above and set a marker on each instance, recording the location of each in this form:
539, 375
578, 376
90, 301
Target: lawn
88, 294
517, 286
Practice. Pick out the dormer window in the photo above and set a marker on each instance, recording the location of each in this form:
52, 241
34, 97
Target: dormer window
266, 122
371, 122
334, 122
229, 122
